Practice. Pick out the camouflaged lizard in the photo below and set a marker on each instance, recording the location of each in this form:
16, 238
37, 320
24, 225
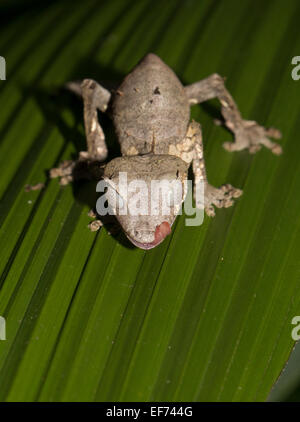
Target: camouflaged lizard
151, 115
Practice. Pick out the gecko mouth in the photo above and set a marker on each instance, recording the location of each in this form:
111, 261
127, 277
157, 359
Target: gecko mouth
161, 231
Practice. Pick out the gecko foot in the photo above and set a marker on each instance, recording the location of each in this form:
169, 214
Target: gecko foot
95, 225
69, 171
110, 222
252, 136
219, 197
64, 171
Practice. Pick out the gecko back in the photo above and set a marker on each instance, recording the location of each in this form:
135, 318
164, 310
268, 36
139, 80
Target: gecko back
150, 109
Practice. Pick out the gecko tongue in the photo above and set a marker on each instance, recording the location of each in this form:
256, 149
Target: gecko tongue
161, 232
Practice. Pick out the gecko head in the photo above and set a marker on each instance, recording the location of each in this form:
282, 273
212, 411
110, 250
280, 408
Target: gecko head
145, 193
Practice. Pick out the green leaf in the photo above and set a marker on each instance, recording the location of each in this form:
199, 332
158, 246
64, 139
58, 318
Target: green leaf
205, 316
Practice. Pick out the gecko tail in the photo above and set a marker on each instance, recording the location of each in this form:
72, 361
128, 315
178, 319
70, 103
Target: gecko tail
75, 87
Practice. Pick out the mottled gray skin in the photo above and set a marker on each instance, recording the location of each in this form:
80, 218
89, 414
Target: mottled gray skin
151, 115
150, 109
140, 229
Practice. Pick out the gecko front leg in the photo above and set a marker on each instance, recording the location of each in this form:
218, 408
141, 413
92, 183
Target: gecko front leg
95, 97
248, 133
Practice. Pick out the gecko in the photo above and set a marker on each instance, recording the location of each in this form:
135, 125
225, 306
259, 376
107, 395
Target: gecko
150, 111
